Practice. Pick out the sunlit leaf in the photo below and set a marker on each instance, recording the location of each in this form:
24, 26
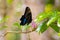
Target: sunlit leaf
38, 28
53, 18
58, 23
43, 27
41, 17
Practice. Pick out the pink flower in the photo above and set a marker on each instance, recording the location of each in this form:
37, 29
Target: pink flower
33, 24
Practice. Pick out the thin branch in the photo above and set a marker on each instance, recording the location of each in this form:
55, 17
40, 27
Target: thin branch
17, 32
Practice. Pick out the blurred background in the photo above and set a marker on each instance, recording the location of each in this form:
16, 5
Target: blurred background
14, 9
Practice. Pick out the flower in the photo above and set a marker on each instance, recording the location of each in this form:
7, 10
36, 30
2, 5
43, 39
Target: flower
33, 24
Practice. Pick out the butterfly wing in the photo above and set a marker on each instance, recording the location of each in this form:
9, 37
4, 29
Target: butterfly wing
27, 17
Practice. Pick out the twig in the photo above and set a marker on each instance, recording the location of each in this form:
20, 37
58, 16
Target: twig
18, 32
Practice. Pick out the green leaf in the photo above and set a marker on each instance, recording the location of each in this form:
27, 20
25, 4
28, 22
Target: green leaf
42, 16
39, 27
55, 27
43, 27
54, 17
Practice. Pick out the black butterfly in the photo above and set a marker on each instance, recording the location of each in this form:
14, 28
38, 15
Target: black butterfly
27, 17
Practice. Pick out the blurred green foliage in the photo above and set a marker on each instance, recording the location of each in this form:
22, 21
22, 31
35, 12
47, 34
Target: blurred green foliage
9, 2
58, 34
12, 36
3, 27
4, 19
18, 25
48, 8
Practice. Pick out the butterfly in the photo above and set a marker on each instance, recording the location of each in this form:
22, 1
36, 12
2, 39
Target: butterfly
27, 17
